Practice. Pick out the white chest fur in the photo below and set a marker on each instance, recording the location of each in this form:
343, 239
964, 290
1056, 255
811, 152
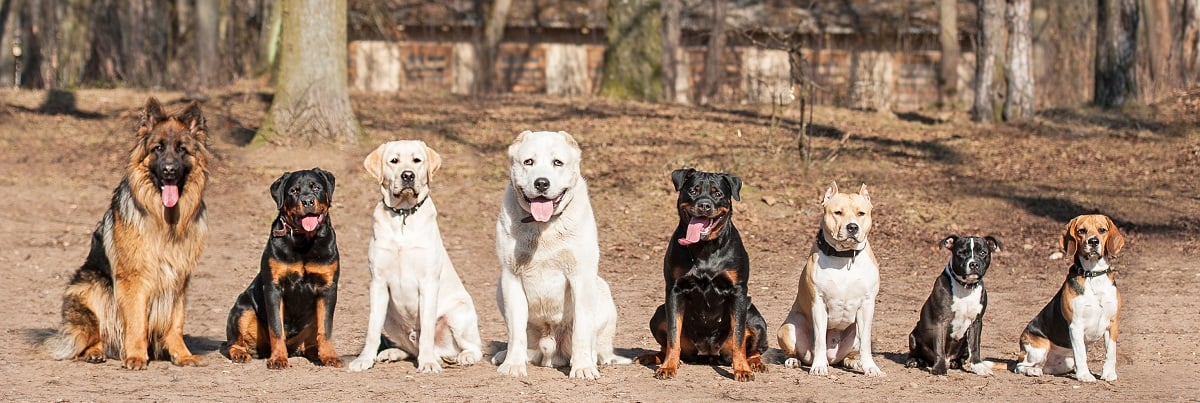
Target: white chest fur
1095, 307
966, 304
844, 284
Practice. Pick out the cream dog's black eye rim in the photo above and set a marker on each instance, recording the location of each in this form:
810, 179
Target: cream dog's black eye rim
394, 160
528, 162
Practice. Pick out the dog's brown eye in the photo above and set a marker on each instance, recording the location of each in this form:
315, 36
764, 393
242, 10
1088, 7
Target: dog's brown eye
416, 160
157, 148
558, 163
395, 160
837, 213
1103, 230
181, 149
1081, 231
862, 213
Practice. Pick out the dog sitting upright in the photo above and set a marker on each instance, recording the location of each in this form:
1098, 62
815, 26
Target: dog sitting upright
289, 305
1084, 309
835, 304
707, 314
951, 321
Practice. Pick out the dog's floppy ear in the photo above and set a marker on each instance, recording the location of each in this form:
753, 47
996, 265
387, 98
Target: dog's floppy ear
434, 162
863, 191
277, 189
829, 193
1070, 244
1115, 241
152, 114
679, 176
193, 118
570, 139
993, 244
948, 242
735, 186
512, 148
328, 179
374, 162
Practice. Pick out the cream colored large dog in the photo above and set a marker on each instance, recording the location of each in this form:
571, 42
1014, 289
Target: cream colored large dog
835, 304
417, 299
556, 307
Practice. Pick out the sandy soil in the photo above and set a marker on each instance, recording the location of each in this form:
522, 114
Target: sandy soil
928, 178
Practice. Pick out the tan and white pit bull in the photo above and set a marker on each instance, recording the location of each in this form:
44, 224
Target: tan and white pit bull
835, 303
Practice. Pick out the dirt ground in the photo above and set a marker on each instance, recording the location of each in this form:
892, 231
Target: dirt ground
927, 177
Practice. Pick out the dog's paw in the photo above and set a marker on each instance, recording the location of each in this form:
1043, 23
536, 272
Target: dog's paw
513, 369
391, 355
743, 375
331, 361
188, 361
135, 363
1109, 376
362, 363
648, 359
912, 363
1085, 377
757, 365
982, 368
665, 373
819, 370
1029, 371
429, 367
613, 359
792, 362
239, 356
586, 372
937, 369
468, 357
498, 358
94, 356
277, 362
872, 370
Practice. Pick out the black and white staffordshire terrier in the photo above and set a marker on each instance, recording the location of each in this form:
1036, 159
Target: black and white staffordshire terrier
952, 319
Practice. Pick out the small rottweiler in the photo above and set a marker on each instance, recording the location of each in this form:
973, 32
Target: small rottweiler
289, 305
707, 317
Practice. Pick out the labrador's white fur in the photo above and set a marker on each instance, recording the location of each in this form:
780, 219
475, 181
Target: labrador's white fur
556, 307
417, 299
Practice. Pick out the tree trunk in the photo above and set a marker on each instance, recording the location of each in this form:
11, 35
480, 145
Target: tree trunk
74, 44
948, 66
713, 68
207, 42
1116, 52
8, 62
311, 103
268, 43
1018, 67
1155, 64
633, 57
872, 81
671, 48
489, 48
987, 48
1190, 43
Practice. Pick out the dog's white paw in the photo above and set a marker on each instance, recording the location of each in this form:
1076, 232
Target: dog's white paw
1109, 376
468, 357
429, 367
391, 355
613, 359
983, 368
512, 369
791, 363
588, 372
1085, 377
872, 370
819, 369
1030, 371
362, 363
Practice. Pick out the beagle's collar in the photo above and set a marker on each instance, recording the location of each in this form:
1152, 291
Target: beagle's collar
405, 212
1078, 269
828, 249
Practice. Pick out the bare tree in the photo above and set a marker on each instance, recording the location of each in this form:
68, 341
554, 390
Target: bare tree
1189, 43
1018, 67
712, 57
207, 38
312, 101
268, 43
988, 47
672, 29
1116, 51
948, 66
489, 48
633, 57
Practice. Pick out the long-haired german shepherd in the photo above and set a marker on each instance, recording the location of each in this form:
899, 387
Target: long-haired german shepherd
127, 299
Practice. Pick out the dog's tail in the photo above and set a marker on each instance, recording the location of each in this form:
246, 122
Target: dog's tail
89, 319
64, 344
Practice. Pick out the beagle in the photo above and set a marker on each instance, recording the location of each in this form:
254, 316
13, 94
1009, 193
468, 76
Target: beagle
1084, 309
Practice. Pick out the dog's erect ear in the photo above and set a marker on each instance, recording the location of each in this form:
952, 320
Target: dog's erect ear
1115, 241
829, 193
374, 163
1070, 244
993, 244
192, 117
863, 191
735, 186
434, 162
152, 114
277, 189
679, 176
948, 242
328, 179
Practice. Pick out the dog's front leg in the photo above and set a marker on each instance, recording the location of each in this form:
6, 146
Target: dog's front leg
865, 316
820, 326
583, 336
1109, 372
379, 305
673, 309
180, 355
741, 304
978, 365
427, 359
132, 310
324, 318
276, 336
515, 307
940, 356
1079, 352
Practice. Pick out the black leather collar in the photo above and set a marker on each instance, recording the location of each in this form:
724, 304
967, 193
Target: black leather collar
405, 212
828, 249
1078, 269
956, 280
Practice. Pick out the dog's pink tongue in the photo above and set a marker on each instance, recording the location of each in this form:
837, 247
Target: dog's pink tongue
310, 222
541, 209
694, 228
170, 195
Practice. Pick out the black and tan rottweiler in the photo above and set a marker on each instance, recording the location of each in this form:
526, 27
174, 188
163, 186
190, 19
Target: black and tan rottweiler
289, 305
708, 317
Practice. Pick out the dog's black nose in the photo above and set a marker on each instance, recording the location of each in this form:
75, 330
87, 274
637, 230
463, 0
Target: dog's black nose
307, 201
408, 176
973, 265
852, 228
169, 170
1093, 241
541, 184
704, 207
